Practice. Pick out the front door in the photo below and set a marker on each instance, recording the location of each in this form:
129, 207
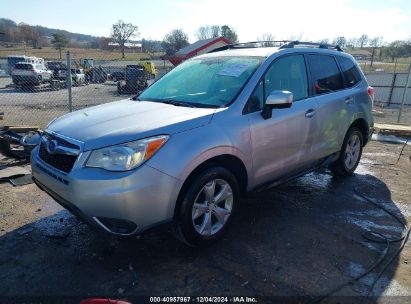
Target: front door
282, 144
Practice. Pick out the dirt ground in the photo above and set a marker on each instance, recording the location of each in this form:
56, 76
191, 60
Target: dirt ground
301, 239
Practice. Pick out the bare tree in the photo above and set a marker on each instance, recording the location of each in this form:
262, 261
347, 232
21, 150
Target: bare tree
203, 32
265, 38
362, 40
375, 43
174, 41
28, 34
352, 42
341, 41
121, 32
324, 41
297, 37
214, 31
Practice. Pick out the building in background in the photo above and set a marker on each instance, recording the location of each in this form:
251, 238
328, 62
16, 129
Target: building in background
197, 48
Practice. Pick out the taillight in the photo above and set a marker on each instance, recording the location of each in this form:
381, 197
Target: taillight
371, 92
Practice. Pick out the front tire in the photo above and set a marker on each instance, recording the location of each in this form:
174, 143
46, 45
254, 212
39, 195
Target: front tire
207, 207
350, 154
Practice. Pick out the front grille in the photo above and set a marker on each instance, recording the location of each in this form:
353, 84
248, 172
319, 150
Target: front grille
61, 162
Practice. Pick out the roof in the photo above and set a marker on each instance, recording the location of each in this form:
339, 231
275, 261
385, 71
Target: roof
199, 45
258, 52
268, 51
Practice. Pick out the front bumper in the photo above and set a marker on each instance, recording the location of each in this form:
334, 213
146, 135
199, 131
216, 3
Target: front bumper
134, 201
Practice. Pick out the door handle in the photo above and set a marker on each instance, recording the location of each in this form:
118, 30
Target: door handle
348, 100
310, 113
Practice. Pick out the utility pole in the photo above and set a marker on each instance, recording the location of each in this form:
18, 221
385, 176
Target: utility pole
70, 105
404, 96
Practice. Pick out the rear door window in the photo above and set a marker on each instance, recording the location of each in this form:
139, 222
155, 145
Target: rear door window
325, 74
23, 66
350, 72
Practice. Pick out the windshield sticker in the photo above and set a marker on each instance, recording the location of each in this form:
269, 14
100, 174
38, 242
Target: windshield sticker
233, 70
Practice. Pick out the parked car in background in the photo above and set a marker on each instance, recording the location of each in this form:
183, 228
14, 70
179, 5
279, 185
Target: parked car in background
12, 60
3, 73
55, 67
118, 75
30, 74
217, 126
77, 76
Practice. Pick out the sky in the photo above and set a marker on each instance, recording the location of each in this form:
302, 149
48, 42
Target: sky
295, 19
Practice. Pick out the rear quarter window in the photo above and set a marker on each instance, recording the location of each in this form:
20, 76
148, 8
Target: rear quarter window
325, 74
350, 72
22, 66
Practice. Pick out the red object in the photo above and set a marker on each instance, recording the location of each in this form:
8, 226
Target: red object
103, 301
371, 92
194, 52
178, 58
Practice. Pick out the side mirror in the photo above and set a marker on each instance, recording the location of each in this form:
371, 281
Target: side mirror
277, 99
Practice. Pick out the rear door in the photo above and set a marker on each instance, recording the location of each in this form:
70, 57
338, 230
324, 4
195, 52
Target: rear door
281, 145
335, 104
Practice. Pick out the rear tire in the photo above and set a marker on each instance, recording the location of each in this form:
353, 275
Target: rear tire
350, 153
207, 207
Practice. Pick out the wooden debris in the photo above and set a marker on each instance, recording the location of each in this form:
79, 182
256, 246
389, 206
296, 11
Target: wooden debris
393, 129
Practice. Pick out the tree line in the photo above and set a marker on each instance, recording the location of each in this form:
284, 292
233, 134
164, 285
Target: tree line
122, 33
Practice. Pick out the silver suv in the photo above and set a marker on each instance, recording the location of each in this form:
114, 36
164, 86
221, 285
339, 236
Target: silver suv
217, 126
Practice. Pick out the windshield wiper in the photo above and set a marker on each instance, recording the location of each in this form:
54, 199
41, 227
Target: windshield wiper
136, 98
176, 103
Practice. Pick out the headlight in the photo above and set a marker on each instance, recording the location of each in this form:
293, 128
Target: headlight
126, 156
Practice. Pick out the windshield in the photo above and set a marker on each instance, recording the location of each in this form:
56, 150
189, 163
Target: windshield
207, 82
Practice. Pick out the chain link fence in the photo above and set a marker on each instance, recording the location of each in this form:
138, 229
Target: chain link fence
28, 105
392, 100
24, 101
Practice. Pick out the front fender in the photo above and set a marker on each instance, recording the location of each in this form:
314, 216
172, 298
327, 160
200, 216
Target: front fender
185, 151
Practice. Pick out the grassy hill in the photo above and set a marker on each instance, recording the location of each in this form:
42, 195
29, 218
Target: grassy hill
49, 53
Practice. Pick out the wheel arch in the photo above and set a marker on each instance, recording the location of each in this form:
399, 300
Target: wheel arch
228, 161
362, 125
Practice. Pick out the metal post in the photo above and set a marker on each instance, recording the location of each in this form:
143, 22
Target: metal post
404, 96
70, 105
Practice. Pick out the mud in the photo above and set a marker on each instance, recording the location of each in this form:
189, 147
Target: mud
302, 238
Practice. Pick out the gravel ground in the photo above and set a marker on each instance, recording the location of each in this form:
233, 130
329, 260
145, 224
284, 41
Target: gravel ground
302, 238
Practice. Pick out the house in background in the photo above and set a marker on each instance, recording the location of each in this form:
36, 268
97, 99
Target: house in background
198, 48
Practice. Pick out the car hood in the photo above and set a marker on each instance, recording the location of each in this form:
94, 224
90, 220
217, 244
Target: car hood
127, 120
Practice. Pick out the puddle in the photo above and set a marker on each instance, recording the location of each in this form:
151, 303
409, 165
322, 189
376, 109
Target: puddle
404, 209
362, 169
370, 225
390, 138
319, 181
354, 269
378, 154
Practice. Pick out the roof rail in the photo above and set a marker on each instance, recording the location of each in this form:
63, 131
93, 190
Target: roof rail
246, 45
320, 45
